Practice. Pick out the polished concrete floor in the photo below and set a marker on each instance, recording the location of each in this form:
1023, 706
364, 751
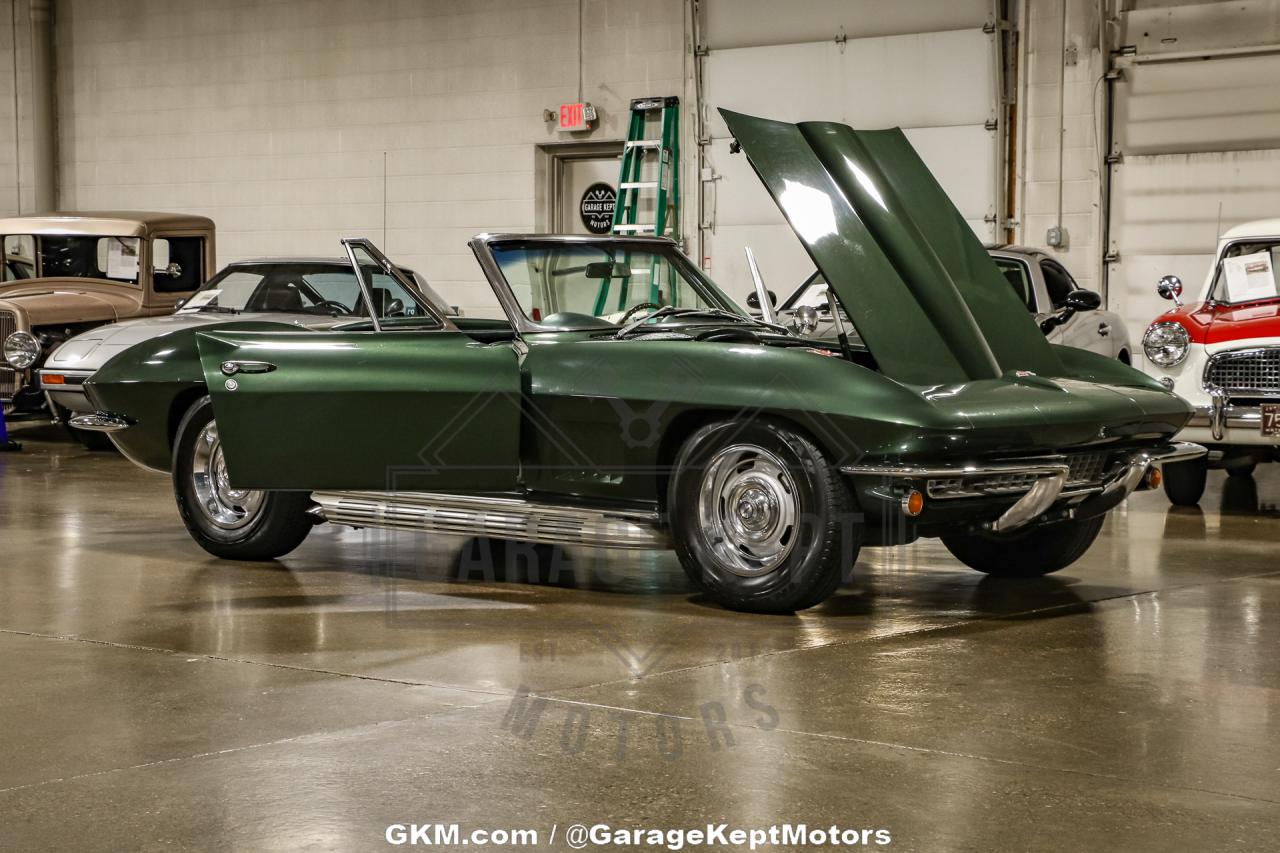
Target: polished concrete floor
157, 698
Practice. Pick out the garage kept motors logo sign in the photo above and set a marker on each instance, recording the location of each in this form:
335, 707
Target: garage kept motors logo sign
596, 208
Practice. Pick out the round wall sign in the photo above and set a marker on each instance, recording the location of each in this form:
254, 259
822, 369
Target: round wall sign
596, 208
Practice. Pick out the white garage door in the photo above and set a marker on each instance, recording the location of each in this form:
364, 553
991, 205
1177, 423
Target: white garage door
937, 82
1200, 152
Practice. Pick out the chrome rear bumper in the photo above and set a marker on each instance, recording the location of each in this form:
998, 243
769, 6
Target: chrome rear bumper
1047, 480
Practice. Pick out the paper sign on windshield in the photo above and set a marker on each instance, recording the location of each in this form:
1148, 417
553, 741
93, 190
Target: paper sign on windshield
1249, 277
204, 297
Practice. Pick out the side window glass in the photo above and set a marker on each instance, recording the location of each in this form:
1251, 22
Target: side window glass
178, 263
1058, 283
1019, 278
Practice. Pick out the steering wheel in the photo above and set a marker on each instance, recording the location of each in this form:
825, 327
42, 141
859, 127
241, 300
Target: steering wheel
335, 306
636, 308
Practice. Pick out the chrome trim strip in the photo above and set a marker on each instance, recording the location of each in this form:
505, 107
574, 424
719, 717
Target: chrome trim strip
1045, 465
492, 515
100, 422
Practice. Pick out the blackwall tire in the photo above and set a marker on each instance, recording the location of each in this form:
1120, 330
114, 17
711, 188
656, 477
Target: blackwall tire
1184, 481
1031, 554
229, 523
761, 519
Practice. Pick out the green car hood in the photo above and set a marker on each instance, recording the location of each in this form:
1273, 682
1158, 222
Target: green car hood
912, 276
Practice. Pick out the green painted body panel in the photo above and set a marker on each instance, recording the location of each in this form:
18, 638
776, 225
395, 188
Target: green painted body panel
913, 278
397, 411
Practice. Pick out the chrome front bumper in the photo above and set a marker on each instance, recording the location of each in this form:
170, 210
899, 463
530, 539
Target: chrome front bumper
1049, 480
1221, 415
100, 422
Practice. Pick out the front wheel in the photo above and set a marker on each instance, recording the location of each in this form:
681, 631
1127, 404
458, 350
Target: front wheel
1028, 554
761, 520
236, 524
1184, 481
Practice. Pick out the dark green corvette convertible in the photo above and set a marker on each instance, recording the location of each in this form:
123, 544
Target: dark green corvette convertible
627, 402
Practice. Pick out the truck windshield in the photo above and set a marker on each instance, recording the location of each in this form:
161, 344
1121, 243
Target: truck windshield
1247, 272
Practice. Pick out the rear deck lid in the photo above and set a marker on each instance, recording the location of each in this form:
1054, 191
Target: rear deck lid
912, 276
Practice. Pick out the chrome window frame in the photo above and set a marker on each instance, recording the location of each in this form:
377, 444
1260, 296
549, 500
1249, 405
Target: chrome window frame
482, 246
349, 245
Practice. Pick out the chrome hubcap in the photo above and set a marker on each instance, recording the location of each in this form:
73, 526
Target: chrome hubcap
748, 508
227, 507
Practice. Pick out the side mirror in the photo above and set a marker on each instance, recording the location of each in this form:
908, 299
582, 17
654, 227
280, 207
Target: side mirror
753, 299
1170, 287
1083, 300
804, 320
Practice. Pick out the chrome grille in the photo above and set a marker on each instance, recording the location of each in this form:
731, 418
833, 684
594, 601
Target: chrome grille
1245, 373
1084, 470
9, 379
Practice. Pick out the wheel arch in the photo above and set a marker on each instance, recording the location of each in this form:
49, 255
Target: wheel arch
689, 421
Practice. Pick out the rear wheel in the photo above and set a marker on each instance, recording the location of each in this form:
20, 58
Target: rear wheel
761, 520
1184, 481
237, 524
1029, 554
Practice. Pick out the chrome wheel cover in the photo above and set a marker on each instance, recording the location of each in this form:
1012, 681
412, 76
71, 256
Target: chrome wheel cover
748, 510
226, 507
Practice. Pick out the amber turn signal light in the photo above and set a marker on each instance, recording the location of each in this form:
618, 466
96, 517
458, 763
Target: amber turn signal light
53, 379
913, 503
1153, 478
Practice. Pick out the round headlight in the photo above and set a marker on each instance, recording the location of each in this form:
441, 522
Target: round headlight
21, 349
1166, 344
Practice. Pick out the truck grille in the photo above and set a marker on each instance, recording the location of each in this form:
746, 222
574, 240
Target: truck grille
1085, 470
1245, 373
8, 378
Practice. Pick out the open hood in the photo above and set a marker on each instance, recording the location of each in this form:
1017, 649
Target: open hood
913, 278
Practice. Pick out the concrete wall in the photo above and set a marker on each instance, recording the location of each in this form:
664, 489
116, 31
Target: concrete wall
15, 104
277, 118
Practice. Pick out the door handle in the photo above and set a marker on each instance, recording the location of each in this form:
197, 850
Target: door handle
231, 368
1104, 329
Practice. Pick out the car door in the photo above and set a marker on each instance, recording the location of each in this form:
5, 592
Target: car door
396, 407
1086, 329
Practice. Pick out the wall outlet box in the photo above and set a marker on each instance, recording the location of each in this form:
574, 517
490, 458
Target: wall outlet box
1056, 237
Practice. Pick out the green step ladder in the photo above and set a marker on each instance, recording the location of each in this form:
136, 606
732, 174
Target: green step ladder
659, 156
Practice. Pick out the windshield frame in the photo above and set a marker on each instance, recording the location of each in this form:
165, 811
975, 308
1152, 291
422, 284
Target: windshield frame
1217, 277
483, 245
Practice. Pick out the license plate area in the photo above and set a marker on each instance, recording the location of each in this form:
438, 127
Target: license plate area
1271, 419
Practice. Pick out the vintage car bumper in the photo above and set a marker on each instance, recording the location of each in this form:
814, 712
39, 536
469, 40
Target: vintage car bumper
1223, 422
1041, 489
66, 388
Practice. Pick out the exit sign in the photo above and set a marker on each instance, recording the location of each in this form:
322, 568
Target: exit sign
576, 116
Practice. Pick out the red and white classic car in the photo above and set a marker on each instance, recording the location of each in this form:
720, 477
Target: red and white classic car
1221, 353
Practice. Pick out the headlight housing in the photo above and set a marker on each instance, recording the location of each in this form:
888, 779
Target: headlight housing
1166, 344
21, 350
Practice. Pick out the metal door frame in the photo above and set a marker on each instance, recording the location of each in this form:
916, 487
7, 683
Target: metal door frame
548, 176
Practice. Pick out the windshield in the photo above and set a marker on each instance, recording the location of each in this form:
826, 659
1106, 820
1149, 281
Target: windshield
1247, 272
596, 284
60, 256
304, 288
